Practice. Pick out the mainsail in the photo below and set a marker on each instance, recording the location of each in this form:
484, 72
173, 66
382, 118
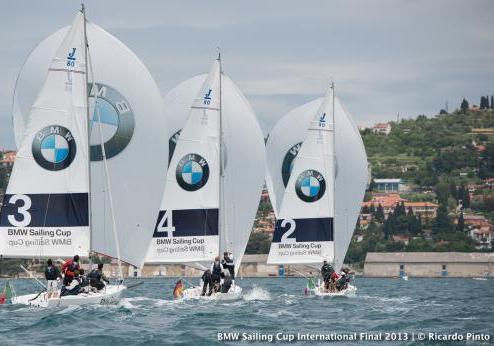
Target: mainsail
133, 124
284, 144
45, 209
244, 161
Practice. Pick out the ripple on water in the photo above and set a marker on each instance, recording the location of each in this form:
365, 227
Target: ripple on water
146, 316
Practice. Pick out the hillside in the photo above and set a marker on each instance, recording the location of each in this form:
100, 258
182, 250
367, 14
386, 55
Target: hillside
425, 151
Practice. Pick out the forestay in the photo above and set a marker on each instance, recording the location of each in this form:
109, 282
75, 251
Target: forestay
45, 208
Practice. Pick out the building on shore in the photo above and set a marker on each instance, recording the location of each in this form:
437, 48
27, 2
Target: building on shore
8, 158
389, 201
429, 264
382, 129
388, 185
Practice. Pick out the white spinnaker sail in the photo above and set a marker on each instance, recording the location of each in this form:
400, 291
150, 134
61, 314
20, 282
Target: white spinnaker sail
45, 208
187, 226
304, 229
133, 124
244, 158
351, 166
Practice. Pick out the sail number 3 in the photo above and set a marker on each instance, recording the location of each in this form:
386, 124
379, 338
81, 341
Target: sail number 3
23, 210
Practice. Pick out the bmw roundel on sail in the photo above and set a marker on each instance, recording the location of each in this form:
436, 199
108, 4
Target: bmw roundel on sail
45, 209
129, 114
317, 174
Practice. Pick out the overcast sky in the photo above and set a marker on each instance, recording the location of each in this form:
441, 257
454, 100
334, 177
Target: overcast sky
386, 56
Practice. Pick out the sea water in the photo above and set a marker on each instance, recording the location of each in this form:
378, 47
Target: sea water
272, 310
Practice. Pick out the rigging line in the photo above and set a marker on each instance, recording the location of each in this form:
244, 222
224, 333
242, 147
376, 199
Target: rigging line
86, 52
107, 173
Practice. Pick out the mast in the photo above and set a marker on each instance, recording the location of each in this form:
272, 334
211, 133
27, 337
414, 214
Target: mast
222, 173
103, 152
86, 48
334, 174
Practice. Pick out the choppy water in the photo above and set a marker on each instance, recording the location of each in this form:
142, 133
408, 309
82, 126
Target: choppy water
147, 315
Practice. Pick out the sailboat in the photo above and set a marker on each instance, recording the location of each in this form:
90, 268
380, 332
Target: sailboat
133, 123
214, 179
317, 175
52, 207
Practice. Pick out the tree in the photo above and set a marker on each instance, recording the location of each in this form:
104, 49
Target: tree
464, 195
464, 106
441, 223
484, 102
442, 111
379, 214
460, 226
259, 243
492, 102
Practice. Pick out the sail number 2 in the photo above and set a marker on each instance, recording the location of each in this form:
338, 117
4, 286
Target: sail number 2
291, 228
22, 210
169, 228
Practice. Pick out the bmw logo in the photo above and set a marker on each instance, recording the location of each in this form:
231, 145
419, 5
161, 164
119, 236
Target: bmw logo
310, 186
54, 148
116, 117
192, 172
287, 166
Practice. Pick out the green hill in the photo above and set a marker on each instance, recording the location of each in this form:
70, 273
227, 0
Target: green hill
425, 151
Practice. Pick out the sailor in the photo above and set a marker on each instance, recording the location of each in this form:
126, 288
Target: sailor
96, 277
341, 282
207, 282
227, 263
178, 291
73, 288
326, 272
227, 281
52, 275
83, 280
216, 273
344, 280
69, 268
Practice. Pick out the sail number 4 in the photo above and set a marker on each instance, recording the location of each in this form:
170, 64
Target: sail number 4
168, 228
291, 228
22, 210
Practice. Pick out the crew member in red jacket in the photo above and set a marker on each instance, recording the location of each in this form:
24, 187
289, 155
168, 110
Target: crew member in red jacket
69, 268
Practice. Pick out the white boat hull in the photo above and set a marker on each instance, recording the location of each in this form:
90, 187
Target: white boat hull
195, 292
107, 296
320, 291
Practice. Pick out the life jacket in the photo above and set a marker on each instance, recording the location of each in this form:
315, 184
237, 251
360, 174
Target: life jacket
216, 270
95, 275
227, 262
69, 267
51, 273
